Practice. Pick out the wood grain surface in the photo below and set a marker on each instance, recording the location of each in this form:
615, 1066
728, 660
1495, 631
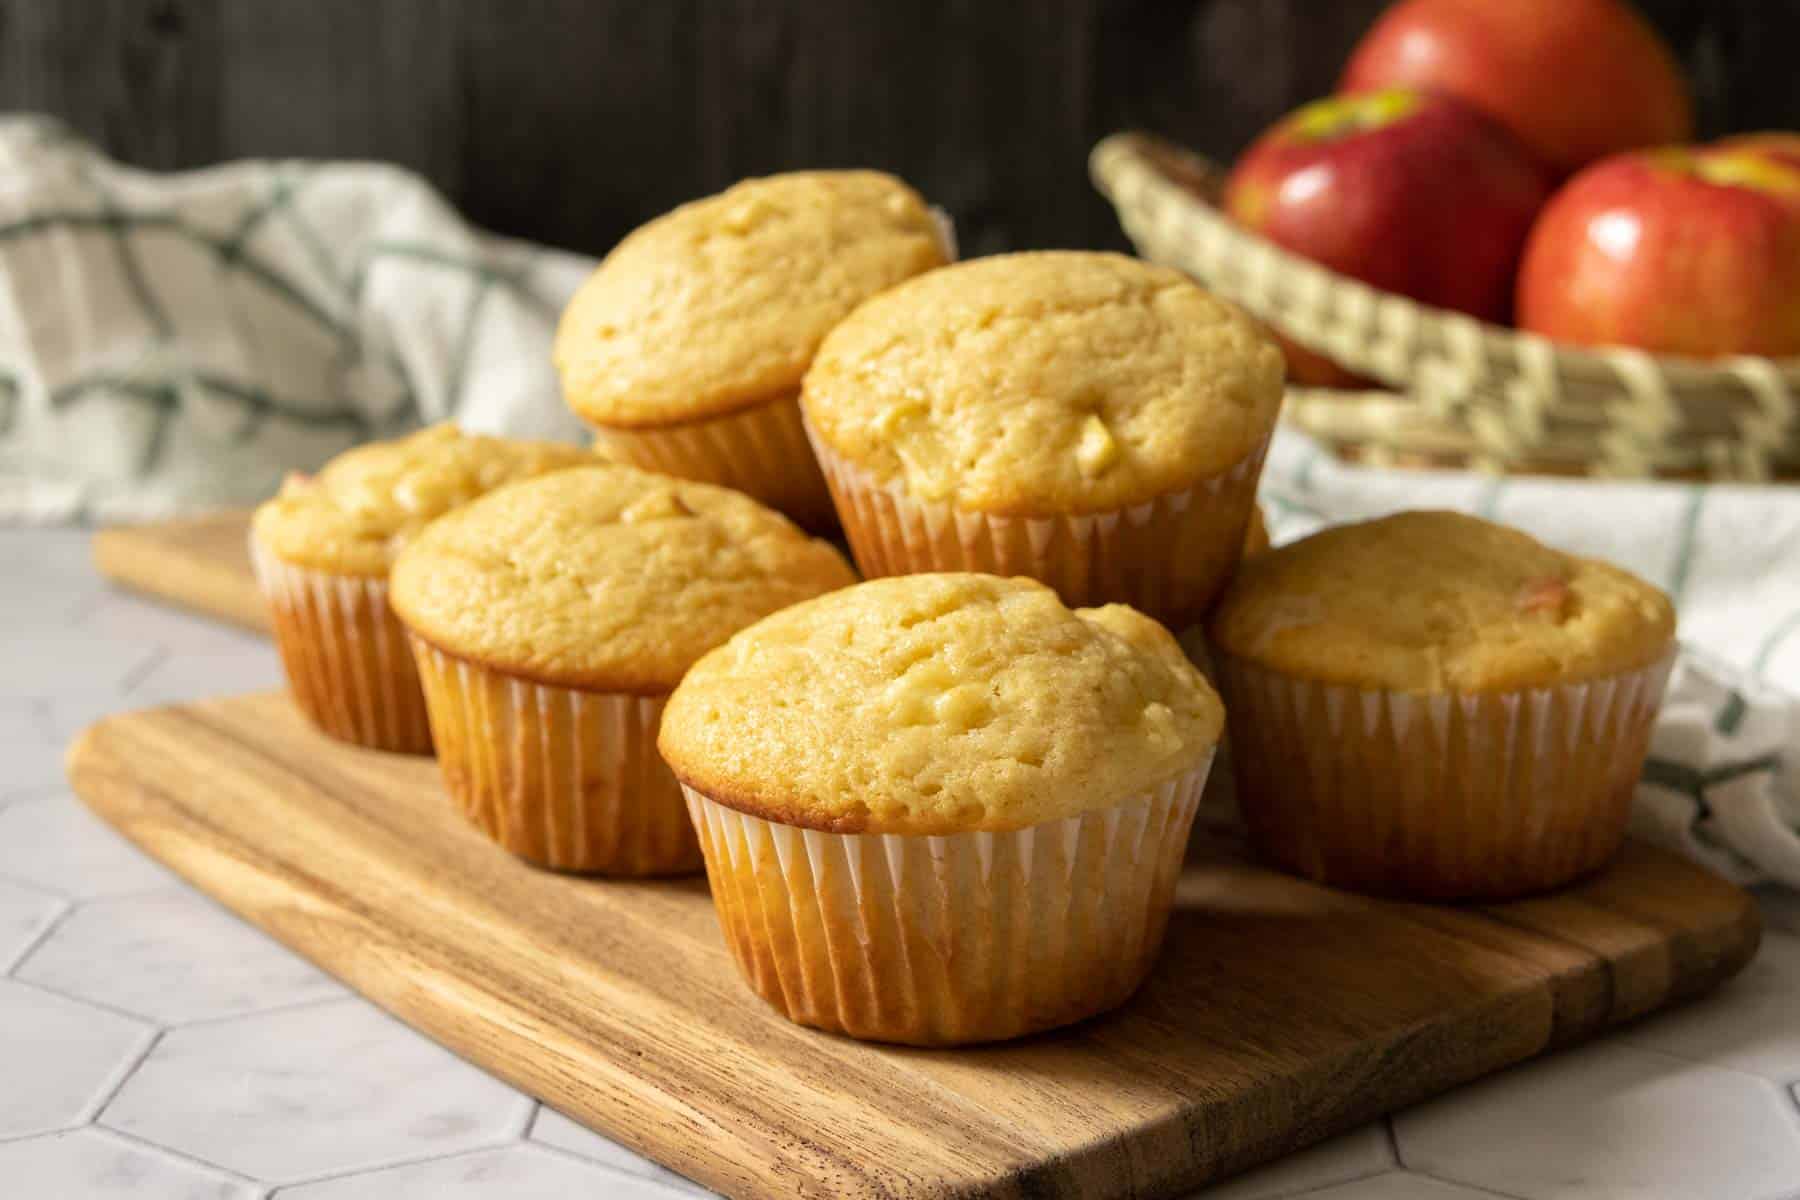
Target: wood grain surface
1280, 1013
201, 563
570, 121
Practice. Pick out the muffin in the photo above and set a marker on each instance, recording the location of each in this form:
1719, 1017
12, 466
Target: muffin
1256, 535
939, 809
1435, 707
551, 619
1089, 420
685, 348
1193, 637
322, 547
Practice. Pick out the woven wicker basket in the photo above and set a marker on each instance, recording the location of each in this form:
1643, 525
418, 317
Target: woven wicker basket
1465, 392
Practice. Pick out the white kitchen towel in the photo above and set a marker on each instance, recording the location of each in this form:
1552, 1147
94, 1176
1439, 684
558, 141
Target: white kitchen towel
176, 342
169, 342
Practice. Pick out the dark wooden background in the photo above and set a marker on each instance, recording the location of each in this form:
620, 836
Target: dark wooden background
572, 120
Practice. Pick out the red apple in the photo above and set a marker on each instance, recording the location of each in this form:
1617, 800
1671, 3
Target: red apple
1780, 143
1309, 368
1408, 192
1573, 80
1677, 251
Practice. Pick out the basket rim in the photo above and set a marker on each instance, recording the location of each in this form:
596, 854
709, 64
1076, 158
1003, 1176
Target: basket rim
1135, 160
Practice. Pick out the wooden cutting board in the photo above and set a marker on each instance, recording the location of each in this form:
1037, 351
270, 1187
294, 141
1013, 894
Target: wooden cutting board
1280, 1013
202, 563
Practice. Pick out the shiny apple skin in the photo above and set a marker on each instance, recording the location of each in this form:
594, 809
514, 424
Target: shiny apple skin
1309, 368
1434, 205
1633, 252
1573, 80
1782, 144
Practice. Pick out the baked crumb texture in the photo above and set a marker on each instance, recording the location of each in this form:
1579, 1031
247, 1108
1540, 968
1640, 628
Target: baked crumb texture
605, 578
1045, 383
356, 514
937, 704
1439, 602
723, 302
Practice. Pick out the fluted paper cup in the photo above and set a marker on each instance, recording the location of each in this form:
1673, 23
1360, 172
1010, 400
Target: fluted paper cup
345, 654
1167, 557
1438, 796
761, 451
564, 778
942, 940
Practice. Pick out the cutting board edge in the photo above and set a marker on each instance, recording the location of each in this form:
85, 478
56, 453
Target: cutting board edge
150, 560
121, 802
109, 791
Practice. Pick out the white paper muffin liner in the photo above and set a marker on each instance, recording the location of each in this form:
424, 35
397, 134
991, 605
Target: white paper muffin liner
564, 778
940, 940
943, 225
345, 654
761, 451
1167, 557
1440, 796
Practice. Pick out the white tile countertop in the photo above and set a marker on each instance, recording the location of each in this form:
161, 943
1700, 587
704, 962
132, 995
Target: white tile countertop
152, 1045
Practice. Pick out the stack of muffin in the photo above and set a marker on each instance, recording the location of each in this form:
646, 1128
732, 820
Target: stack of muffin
948, 804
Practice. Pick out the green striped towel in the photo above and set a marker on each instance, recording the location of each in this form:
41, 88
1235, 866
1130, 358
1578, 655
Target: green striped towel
172, 342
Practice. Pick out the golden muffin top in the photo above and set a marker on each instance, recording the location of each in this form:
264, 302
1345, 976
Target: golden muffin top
1438, 602
939, 704
1042, 383
360, 510
722, 303
605, 578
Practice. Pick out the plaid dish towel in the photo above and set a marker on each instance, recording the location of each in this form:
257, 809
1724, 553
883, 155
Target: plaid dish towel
176, 342
172, 342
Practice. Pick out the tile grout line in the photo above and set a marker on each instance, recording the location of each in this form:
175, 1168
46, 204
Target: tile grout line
281, 1185
184, 1155
177, 886
290, 1006
28, 795
33, 1135
607, 1169
121, 1078
611, 1168
84, 612
262, 1189
134, 678
1393, 1140
1623, 1037
523, 1132
1311, 1189
1480, 1189
66, 909
82, 1001
1790, 1104
42, 718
